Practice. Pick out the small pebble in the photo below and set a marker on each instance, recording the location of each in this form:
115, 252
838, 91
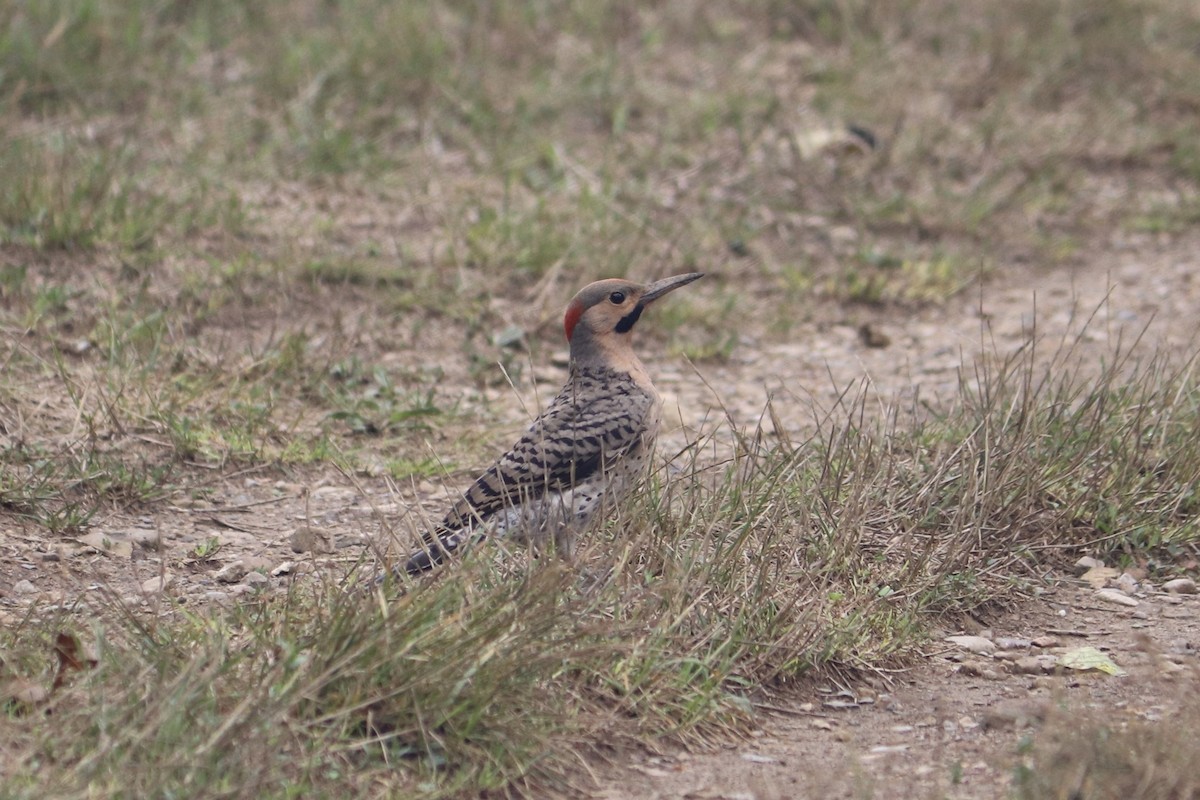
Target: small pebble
232, 572
158, 583
1013, 715
1034, 665
1180, 586
309, 540
1127, 583
975, 644
24, 586
756, 758
1013, 643
1115, 596
873, 336
971, 669
1099, 577
256, 580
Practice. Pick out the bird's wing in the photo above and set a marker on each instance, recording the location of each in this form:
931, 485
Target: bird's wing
568, 443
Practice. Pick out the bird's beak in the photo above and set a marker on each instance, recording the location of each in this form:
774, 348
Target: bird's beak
659, 288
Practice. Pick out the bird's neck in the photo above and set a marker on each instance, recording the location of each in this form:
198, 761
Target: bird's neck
608, 357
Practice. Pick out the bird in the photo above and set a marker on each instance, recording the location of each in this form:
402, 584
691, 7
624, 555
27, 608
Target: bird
584, 454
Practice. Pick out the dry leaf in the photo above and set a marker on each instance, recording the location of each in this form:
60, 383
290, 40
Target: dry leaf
1089, 658
71, 658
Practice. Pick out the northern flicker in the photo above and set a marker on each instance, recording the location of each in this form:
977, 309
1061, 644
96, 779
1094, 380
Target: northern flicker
585, 453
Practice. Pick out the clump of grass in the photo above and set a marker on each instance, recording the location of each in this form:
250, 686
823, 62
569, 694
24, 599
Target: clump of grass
726, 583
61, 491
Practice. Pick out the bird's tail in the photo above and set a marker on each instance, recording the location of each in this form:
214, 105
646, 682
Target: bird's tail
436, 548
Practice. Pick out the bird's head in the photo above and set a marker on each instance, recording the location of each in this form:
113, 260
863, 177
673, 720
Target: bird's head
607, 310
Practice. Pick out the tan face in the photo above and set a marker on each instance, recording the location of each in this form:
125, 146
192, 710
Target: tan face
613, 306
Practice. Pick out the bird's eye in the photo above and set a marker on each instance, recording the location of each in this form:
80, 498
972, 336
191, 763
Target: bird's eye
617, 298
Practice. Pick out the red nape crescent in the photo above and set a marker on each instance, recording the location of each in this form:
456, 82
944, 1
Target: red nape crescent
571, 318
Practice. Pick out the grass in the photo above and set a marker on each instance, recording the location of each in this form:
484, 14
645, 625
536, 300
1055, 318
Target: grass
292, 238
831, 554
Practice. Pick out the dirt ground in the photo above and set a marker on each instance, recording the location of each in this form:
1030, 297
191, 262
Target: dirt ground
953, 724
948, 726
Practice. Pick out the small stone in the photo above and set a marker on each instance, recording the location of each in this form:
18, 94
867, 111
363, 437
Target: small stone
158, 583
24, 586
1013, 643
872, 336
217, 597
975, 644
1180, 586
1127, 583
1099, 577
51, 556
232, 572
258, 564
1084, 564
256, 580
1013, 716
1034, 665
309, 540
756, 758
1045, 641
1115, 596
